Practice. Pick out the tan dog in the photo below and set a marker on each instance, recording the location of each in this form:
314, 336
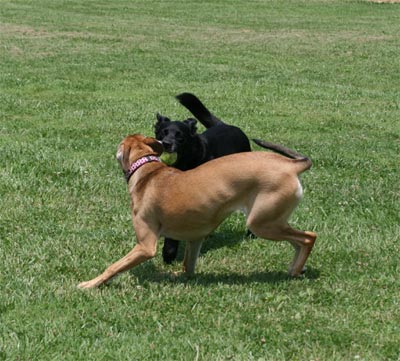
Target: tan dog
262, 184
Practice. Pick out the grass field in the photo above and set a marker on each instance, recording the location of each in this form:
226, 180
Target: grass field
319, 76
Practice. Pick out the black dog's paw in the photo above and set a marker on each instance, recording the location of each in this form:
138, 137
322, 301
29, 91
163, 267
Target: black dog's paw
250, 234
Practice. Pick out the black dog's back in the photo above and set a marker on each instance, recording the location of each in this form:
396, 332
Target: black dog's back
220, 138
219, 144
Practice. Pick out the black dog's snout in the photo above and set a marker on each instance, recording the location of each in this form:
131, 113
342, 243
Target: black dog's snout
168, 145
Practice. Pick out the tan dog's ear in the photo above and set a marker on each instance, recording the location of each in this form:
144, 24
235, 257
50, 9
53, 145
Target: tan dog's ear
123, 155
120, 153
154, 144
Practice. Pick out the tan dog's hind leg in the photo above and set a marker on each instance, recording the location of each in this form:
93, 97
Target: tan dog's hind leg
143, 251
302, 241
192, 252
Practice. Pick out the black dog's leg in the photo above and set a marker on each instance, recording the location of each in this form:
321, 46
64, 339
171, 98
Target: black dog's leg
250, 234
170, 250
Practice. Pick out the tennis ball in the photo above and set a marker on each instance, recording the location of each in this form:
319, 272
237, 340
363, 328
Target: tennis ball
169, 158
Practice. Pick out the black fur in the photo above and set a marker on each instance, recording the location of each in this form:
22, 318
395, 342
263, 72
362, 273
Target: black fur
192, 148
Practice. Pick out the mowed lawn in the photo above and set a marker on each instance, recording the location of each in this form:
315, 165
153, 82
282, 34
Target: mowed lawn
322, 77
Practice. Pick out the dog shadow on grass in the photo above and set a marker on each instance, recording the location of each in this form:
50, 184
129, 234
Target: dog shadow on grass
149, 272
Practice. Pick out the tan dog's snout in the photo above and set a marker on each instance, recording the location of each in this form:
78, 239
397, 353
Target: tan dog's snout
155, 145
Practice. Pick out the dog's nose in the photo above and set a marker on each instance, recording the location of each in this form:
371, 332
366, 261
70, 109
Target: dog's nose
167, 145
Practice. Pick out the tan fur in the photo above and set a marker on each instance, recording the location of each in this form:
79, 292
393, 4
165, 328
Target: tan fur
190, 205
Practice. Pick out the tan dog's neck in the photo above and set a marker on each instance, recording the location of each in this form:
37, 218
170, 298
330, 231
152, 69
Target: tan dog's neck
139, 163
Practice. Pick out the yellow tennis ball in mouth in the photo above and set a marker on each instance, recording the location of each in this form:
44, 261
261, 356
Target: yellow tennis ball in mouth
169, 158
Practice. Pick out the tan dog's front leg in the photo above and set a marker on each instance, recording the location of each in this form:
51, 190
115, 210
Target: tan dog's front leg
140, 253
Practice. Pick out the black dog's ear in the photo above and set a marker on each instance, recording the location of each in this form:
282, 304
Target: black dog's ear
161, 118
191, 123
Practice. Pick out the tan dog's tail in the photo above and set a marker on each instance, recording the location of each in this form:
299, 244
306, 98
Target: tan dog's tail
285, 151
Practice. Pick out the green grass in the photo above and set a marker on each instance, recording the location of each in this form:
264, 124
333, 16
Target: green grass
319, 76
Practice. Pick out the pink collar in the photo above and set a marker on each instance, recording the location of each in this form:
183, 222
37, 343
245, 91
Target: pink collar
136, 165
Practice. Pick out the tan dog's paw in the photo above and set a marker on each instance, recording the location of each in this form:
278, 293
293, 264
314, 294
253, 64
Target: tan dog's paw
87, 284
91, 284
294, 273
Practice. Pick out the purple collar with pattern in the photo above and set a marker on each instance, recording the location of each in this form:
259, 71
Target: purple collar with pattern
136, 165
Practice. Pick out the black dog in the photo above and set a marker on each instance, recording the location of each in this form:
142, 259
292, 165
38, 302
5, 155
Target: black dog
193, 149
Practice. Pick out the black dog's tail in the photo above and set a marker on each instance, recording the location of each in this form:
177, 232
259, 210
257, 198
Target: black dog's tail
283, 151
197, 108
